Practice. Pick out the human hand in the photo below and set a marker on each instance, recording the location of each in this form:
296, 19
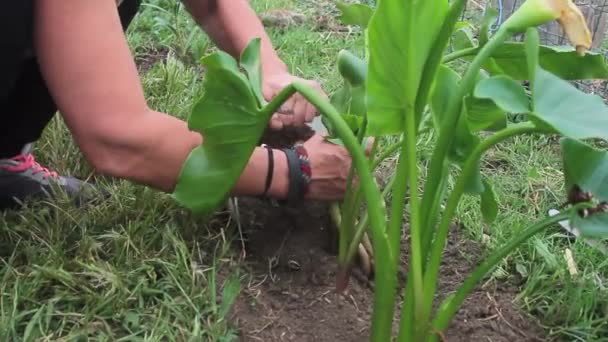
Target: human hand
330, 165
295, 111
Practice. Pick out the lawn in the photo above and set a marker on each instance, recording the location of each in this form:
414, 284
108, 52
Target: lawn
139, 267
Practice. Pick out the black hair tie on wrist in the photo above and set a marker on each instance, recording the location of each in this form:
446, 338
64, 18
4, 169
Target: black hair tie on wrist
270, 170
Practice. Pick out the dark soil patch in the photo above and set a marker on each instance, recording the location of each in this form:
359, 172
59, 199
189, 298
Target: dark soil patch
146, 60
291, 295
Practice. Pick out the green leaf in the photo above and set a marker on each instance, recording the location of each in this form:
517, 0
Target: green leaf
567, 110
564, 62
488, 19
465, 141
489, 205
593, 226
484, 115
587, 168
446, 81
252, 63
481, 114
401, 36
350, 98
464, 144
463, 38
230, 293
229, 117
355, 14
352, 68
354, 122
509, 95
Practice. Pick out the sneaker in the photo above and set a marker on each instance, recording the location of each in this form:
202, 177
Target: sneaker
21, 177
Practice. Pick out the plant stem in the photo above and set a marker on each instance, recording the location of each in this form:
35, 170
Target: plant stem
451, 305
386, 275
452, 115
398, 200
415, 226
407, 321
386, 153
432, 269
362, 225
459, 54
431, 220
351, 203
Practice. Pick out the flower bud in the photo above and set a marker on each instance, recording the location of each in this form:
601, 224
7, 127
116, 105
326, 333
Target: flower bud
538, 12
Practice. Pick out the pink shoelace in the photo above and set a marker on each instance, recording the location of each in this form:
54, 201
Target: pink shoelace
28, 162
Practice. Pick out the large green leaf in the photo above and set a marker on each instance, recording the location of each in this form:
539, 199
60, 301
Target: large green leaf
355, 14
587, 168
564, 62
401, 35
229, 117
557, 105
566, 109
508, 94
251, 61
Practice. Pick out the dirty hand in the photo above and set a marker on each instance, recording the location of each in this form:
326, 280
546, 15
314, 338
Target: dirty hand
330, 164
295, 111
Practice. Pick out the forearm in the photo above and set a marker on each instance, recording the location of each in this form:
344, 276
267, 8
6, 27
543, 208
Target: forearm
232, 24
153, 150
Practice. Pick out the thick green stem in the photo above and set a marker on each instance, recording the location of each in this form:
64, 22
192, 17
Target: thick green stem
452, 115
351, 204
459, 54
432, 269
386, 269
415, 226
407, 322
451, 305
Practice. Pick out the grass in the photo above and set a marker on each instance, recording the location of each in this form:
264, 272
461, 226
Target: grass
138, 267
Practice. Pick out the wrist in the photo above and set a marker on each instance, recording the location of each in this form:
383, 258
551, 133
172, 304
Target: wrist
274, 66
280, 178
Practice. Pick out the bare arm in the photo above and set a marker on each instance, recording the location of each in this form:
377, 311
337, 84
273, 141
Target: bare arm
231, 24
89, 69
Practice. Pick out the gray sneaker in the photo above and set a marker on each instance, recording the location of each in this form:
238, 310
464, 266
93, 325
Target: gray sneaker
21, 177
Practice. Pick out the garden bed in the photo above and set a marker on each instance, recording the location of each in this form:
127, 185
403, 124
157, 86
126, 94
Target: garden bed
291, 294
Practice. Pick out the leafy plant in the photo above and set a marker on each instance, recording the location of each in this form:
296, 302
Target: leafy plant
406, 85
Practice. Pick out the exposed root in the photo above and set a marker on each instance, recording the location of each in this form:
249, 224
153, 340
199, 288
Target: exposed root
365, 260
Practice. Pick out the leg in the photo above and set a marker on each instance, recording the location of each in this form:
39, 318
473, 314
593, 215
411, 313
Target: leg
26, 108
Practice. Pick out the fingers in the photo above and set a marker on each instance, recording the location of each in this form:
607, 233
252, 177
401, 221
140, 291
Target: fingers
276, 123
297, 110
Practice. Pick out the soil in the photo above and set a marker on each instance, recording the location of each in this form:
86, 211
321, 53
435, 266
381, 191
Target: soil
146, 60
291, 295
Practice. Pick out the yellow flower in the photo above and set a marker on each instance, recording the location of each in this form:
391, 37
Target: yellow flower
537, 12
